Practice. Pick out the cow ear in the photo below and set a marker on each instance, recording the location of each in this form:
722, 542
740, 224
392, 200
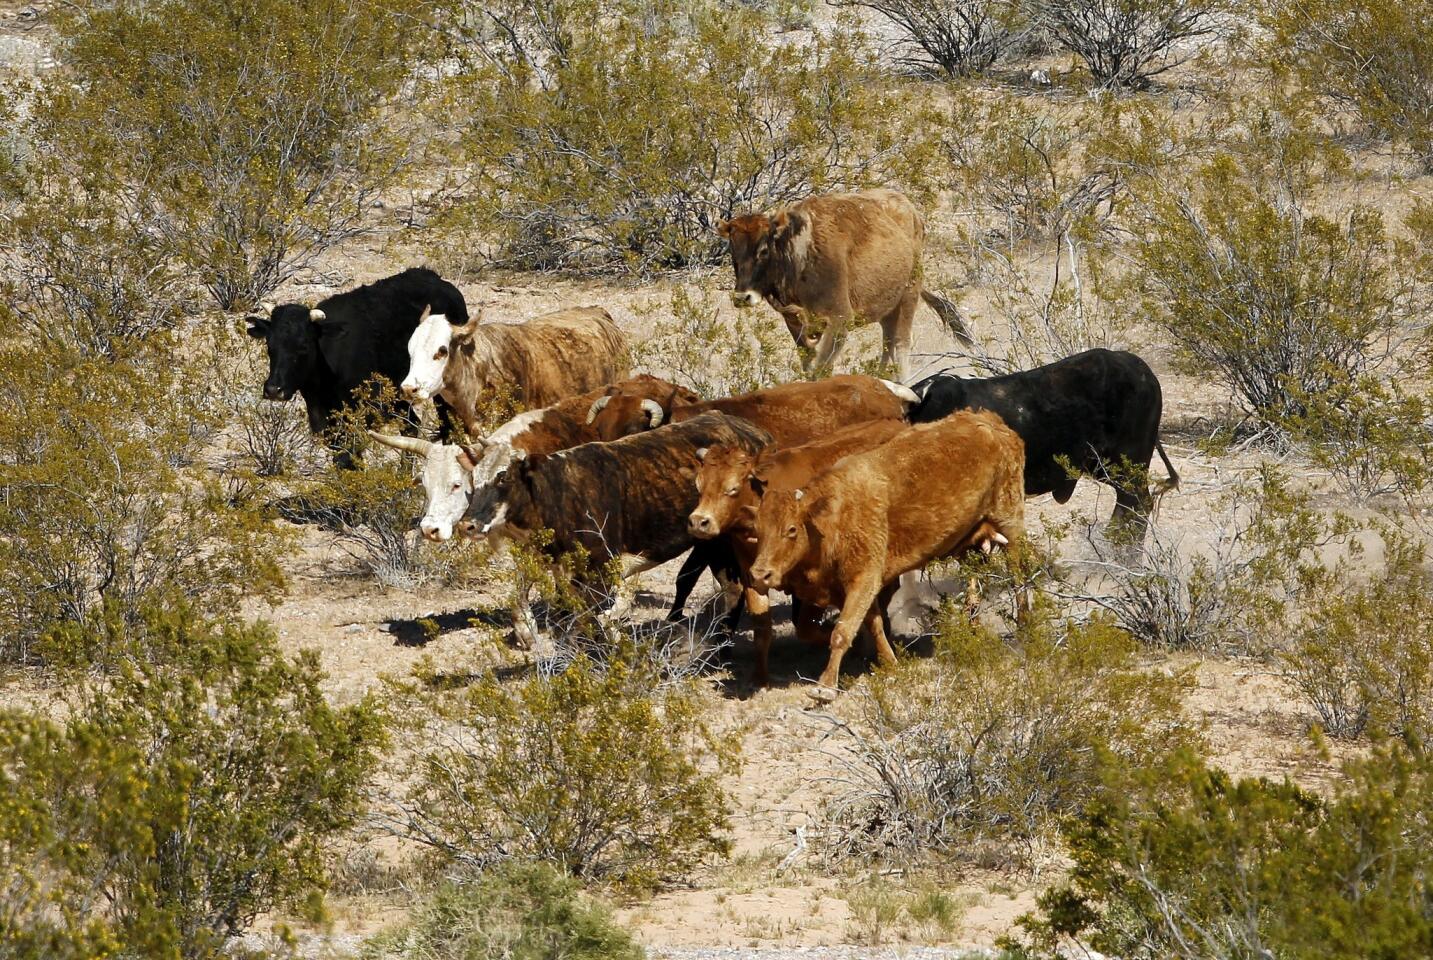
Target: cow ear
468, 457
758, 485
724, 228
786, 225
258, 327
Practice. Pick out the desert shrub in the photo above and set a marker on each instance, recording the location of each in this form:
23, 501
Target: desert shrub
715, 350
513, 911
1126, 43
1363, 657
527, 770
1238, 585
99, 511
603, 134
956, 37
1264, 291
244, 139
1370, 56
1024, 167
191, 787
1186, 863
944, 760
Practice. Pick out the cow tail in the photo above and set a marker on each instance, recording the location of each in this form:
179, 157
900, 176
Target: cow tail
950, 316
1172, 483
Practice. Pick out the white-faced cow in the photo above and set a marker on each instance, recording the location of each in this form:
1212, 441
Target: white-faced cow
326, 352
1096, 413
833, 262
540, 362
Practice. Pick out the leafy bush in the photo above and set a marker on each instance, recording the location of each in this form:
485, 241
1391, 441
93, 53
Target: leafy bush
944, 758
188, 790
513, 911
1369, 55
699, 343
958, 37
242, 140
1274, 299
1363, 658
1184, 863
605, 134
527, 770
1126, 43
98, 512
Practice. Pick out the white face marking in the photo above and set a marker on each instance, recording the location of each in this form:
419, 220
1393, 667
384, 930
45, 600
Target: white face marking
448, 485
497, 457
496, 523
428, 350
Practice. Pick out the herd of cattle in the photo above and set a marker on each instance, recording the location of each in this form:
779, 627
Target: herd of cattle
828, 490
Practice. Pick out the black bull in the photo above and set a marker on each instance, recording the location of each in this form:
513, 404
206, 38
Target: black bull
1095, 414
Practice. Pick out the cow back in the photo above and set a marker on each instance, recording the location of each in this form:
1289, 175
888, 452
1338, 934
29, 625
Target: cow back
796, 413
365, 331
554, 356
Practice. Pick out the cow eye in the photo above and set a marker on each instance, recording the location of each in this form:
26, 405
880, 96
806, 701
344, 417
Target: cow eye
442, 353
733, 491
457, 487
791, 532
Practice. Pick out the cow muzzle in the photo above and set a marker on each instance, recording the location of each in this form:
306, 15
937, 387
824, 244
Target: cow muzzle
414, 392
272, 391
763, 578
702, 526
435, 532
745, 298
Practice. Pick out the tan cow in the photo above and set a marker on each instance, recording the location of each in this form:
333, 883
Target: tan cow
935, 490
793, 413
834, 262
542, 361
732, 481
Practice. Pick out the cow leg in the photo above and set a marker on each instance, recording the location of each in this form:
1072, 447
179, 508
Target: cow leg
853, 613
896, 333
833, 338
758, 604
687, 578
875, 623
1133, 505
806, 618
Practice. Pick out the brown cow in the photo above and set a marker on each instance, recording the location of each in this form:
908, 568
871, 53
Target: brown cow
641, 403
732, 481
846, 538
540, 362
793, 413
830, 263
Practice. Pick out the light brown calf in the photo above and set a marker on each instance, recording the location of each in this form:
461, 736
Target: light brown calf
933, 491
731, 482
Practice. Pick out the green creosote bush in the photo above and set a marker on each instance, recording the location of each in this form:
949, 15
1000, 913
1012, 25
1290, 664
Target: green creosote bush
190, 787
100, 511
1363, 656
1265, 290
1368, 56
526, 770
1183, 862
944, 760
698, 342
239, 140
513, 911
602, 134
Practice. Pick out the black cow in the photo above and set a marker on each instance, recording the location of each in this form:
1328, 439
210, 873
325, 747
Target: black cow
1096, 413
629, 498
327, 352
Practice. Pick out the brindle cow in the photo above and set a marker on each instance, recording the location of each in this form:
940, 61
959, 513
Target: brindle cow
833, 262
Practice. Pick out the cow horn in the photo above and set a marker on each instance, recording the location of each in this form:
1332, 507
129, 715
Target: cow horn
798, 494
654, 413
469, 328
414, 445
426, 311
702, 453
597, 407
317, 315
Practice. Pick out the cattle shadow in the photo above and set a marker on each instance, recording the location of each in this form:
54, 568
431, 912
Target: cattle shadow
421, 631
